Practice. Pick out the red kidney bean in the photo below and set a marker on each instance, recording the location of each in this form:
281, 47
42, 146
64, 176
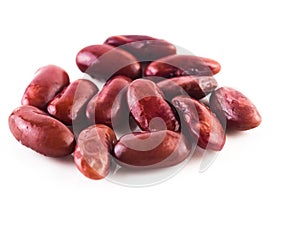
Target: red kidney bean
109, 105
195, 86
48, 81
201, 123
104, 61
92, 152
144, 48
69, 104
148, 107
239, 112
40, 132
155, 149
213, 65
182, 65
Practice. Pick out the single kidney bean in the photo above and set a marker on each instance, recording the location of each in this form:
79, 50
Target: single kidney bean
48, 81
201, 123
40, 132
154, 149
92, 152
231, 105
104, 61
148, 107
195, 86
110, 105
213, 65
144, 48
182, 65
69, 104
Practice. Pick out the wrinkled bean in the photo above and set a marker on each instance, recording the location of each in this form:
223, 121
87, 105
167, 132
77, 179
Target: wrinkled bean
201, 123
195, 86
182, 65
104, 61
92, 152
144, 48
156, 149
40, 132
148, 107
234, 107
48, 81
69, 104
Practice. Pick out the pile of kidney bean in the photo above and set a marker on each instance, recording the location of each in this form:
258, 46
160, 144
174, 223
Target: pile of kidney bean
152, 97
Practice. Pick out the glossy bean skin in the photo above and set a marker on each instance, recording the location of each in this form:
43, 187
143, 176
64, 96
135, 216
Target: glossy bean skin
151, 149
144, 48
146, 104
70, 104
48, 81
40, 132
92, 152
233, 106
105, 61
213, 65
202, 125
182, 65
195, 86
109, 105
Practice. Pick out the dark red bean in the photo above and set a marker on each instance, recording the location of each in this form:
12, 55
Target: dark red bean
213, 65
119, 40
234, 107
109, 105
195, 86
182, 65
144, 48
48, 81
104, 61
40, 132
201, 123
148, 107
70, 104
92, 152
155, 149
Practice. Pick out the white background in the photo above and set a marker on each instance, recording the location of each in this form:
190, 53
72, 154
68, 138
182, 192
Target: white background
254, 180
